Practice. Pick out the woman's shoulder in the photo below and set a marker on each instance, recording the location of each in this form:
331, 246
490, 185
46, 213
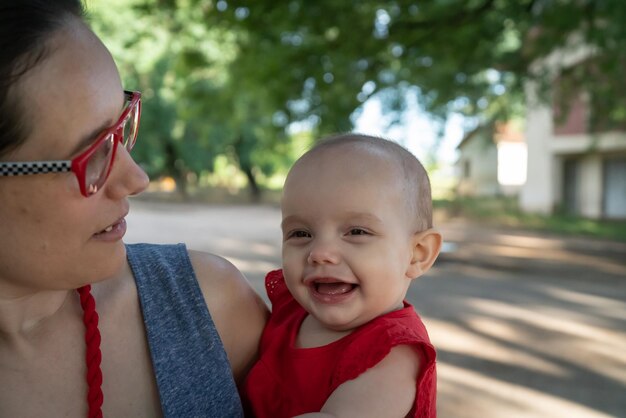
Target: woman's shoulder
213, 270
222, 283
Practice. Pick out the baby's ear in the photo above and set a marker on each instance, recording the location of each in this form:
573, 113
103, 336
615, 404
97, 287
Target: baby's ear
426, 247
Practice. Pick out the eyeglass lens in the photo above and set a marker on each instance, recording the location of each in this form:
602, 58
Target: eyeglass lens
100, 162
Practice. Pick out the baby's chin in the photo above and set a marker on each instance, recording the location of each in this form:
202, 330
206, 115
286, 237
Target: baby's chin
341, 325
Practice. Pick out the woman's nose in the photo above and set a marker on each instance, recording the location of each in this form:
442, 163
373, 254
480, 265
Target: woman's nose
127, 178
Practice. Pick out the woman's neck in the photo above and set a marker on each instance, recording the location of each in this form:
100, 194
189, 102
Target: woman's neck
23, 314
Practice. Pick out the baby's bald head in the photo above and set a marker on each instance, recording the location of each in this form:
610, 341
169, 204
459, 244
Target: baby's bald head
409, 176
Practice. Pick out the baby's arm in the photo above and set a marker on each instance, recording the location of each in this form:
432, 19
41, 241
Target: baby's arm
385, 390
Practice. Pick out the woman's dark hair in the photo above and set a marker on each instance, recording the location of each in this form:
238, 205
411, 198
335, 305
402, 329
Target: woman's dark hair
25, 28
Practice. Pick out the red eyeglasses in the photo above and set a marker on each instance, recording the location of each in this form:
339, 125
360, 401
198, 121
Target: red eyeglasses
92, 166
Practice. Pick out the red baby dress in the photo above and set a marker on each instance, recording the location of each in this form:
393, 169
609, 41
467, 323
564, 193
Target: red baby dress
288, 381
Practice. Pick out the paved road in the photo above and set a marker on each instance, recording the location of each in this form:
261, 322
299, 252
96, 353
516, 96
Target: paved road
526, 325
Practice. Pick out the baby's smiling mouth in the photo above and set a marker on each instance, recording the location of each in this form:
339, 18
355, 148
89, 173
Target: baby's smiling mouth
331, 287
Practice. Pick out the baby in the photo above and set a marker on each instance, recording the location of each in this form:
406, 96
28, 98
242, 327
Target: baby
341, 340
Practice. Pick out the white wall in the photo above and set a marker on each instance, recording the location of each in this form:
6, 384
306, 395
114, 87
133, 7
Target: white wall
537, 194
590, 187
512, 162
482, 156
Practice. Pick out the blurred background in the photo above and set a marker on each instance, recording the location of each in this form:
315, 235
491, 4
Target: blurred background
516, 108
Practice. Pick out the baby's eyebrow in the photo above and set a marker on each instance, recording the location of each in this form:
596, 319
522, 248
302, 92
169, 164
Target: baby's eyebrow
290, 219
363, 216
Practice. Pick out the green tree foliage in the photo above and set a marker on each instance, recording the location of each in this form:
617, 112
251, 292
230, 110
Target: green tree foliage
468, 56
471, 56
231, 76
196, 106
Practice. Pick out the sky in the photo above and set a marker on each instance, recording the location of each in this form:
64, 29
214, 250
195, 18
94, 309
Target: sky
418, 133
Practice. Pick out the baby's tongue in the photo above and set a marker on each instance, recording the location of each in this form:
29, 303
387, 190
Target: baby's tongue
333, 288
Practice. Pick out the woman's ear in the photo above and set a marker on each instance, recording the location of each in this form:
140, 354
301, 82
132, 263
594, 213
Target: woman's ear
426, 246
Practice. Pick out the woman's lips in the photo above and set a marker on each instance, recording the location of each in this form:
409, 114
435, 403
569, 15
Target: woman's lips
113, 232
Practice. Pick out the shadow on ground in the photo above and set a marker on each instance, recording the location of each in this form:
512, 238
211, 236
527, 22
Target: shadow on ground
526, 325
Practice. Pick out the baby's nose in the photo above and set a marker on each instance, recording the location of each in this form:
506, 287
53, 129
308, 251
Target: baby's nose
323, 253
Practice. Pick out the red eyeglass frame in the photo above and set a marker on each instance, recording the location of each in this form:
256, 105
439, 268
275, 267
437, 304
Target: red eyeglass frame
78, 164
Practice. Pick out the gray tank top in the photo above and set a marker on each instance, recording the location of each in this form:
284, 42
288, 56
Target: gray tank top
192, 371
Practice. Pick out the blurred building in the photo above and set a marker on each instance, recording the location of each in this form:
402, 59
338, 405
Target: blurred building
572, 166
492, 161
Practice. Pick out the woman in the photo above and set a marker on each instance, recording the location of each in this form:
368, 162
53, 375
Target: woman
66, 130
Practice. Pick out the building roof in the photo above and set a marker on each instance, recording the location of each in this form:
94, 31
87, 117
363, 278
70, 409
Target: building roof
508, 132
498, 131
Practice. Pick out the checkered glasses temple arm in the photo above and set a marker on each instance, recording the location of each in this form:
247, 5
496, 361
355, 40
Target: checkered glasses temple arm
39, 167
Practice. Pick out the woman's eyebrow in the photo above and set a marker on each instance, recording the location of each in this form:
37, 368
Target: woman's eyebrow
88, 139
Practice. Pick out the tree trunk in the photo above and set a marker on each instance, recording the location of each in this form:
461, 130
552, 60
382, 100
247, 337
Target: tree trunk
172, 168
255, 190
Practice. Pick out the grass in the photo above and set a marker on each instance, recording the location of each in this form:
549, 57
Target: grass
208, 195
503, 212
506, 212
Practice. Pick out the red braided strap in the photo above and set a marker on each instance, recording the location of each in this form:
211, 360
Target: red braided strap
94, 357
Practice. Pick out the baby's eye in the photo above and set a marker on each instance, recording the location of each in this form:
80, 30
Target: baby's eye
298, 234
358, 231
